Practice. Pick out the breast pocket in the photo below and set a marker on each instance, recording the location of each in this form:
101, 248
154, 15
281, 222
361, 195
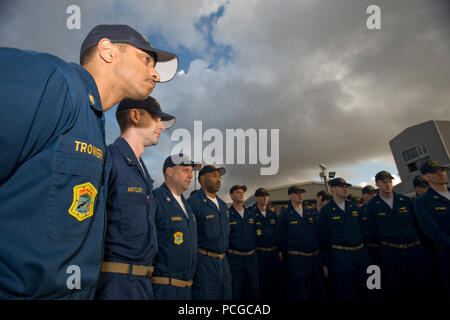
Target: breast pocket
442, 216
336, 220
404, 217
179, 242
294, 229
212, 226
74, 196
133, 213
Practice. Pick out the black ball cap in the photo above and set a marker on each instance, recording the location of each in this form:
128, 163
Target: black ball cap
368, 189
339, 182
179, 160
152, 106
296, 189
261, 192
166, 62
210, 168
237, 187
418, 181
383, 175
326, 196
431, 167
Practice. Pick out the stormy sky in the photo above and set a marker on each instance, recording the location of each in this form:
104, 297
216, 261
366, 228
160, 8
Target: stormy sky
337, 91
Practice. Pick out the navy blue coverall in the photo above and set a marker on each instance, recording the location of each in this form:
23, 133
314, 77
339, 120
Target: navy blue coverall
403, 259
177, 247
299, 244
370, 241
342, 244
242, 255
270, 271
53, 168
433, 216
212, 280
131, 232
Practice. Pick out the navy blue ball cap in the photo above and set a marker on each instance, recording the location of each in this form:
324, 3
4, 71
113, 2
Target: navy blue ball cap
431, 167
261, 192
339, 182
210, 168
166, 62
237, 187
383, 175
418, 181
151, 105
180, 160
295, 189
368, 189
327, 197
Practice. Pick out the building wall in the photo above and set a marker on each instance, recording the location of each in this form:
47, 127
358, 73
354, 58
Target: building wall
426, 135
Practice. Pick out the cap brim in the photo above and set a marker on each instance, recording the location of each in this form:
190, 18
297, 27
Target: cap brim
166, 64
167, 119
222, 171
437, 168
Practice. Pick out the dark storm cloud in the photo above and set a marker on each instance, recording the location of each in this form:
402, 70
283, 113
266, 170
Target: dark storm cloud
337, 91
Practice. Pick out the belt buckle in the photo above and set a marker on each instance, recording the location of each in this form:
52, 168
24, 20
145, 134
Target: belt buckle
189, 283
150, 271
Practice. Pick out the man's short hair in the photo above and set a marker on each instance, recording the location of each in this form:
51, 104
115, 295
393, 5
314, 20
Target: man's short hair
90, 53
87, 55
123, 118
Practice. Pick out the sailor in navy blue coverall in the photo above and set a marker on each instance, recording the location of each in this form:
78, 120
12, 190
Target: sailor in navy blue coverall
403, 259
270, 270
130, 242
213, 277
176, 260
54, 163
432, 210
298, 241
370, 241
241, 253
342, 244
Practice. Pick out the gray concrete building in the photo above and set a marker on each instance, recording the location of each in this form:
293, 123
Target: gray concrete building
417, 144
